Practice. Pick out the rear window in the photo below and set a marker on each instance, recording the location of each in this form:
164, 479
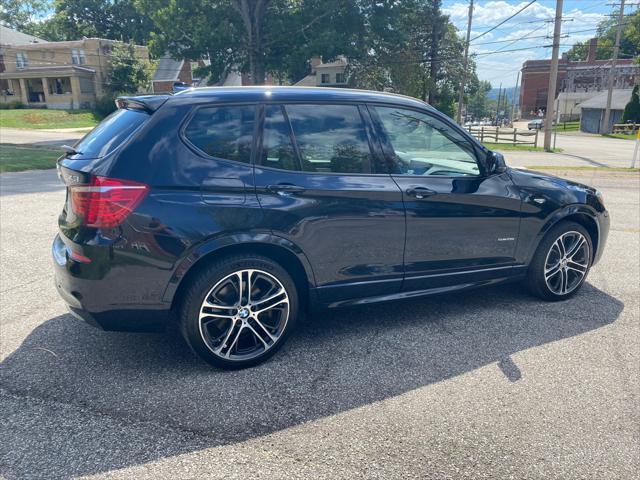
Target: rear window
110, 133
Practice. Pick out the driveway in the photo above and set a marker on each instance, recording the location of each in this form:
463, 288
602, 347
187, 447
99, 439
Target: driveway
484, 384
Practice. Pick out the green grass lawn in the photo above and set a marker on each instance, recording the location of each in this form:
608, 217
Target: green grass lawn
623, 136
567, 127
522, 148
14, 158
35, 118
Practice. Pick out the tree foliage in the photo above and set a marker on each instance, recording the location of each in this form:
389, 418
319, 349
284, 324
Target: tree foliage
606, 35
632, 109
407, 46
478, 105
127, 72
74, 19
20, 14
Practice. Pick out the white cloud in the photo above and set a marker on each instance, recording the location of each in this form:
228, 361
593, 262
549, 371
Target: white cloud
504, 67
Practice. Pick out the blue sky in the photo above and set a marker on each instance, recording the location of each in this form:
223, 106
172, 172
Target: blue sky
582, 17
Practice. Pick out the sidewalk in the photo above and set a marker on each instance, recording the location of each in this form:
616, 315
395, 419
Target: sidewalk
579, 150
54, 137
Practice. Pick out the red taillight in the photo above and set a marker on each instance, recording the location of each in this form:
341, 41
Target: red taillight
106, 202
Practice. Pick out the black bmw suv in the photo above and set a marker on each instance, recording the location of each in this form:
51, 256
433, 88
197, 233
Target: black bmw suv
235, 210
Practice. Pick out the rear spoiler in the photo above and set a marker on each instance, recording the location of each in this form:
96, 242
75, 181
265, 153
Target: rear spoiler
146, 103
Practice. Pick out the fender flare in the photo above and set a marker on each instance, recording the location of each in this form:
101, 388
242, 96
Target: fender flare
211, 245
558, 216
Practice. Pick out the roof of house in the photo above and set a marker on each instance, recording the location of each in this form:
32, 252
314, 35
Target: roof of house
619, 100
338, 62
308, 81
8, 36
168, 69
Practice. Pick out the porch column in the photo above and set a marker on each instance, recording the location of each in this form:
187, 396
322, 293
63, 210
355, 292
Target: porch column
75, 92
24, 98
45, 89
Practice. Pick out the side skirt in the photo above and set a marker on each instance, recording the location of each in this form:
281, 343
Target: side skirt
518, 274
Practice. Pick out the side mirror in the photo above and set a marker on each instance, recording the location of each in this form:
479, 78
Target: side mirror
496, 163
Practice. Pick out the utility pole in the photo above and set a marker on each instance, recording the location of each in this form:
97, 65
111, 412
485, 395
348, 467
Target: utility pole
553, 78
604, 127
463, 77
513, 103
498, 103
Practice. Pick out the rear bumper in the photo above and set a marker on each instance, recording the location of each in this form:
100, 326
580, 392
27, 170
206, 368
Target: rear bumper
89, 296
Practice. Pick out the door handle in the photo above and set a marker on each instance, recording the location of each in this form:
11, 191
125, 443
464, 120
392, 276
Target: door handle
285, 189
420, 192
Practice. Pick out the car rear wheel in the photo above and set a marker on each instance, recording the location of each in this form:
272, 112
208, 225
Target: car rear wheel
239, 311
561, 263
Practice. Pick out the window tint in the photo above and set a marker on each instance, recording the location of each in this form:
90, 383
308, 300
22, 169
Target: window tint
223, 132
110, 133
277, 149
330, 138
424, 145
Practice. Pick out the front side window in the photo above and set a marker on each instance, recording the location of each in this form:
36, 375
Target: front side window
277, 149
424, 145
223, 132
330, 138
21, 60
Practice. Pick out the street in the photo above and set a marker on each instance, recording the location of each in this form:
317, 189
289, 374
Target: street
490, 383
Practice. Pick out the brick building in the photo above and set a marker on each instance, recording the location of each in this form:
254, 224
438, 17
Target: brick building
573, 76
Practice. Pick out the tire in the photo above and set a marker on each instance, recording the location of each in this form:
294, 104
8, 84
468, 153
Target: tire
558, 270
225, 326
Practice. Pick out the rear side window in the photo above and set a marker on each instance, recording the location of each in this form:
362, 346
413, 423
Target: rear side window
110, 133
223, 132
277, 149
330, 138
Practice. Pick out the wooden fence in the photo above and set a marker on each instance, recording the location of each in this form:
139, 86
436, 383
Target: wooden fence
626, 128
512, 136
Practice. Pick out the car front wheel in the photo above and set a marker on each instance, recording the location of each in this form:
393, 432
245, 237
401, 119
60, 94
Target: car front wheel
239, 311
561, 262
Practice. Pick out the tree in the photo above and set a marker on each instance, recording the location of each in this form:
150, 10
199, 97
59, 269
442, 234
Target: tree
127, 72
478, 102
632, 109
606, 35
19, 14
74, 19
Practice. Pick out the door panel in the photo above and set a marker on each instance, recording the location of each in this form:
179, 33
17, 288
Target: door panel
349, 225
467, 224
461, 225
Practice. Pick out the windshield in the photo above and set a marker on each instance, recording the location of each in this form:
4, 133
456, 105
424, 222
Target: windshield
110, 133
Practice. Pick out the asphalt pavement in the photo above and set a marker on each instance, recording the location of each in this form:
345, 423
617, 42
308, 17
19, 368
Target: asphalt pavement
489, 383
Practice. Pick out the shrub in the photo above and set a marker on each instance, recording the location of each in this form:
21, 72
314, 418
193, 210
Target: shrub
16, 105
105, 105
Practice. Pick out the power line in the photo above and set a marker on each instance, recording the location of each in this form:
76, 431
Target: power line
504, 21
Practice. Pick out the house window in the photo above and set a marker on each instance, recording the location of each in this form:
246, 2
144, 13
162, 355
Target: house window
86, 85
340, 78
325, 78
21, 60
77, 56
59, 86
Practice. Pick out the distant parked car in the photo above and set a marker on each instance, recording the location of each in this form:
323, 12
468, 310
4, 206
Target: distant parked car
536, 124
179, 86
